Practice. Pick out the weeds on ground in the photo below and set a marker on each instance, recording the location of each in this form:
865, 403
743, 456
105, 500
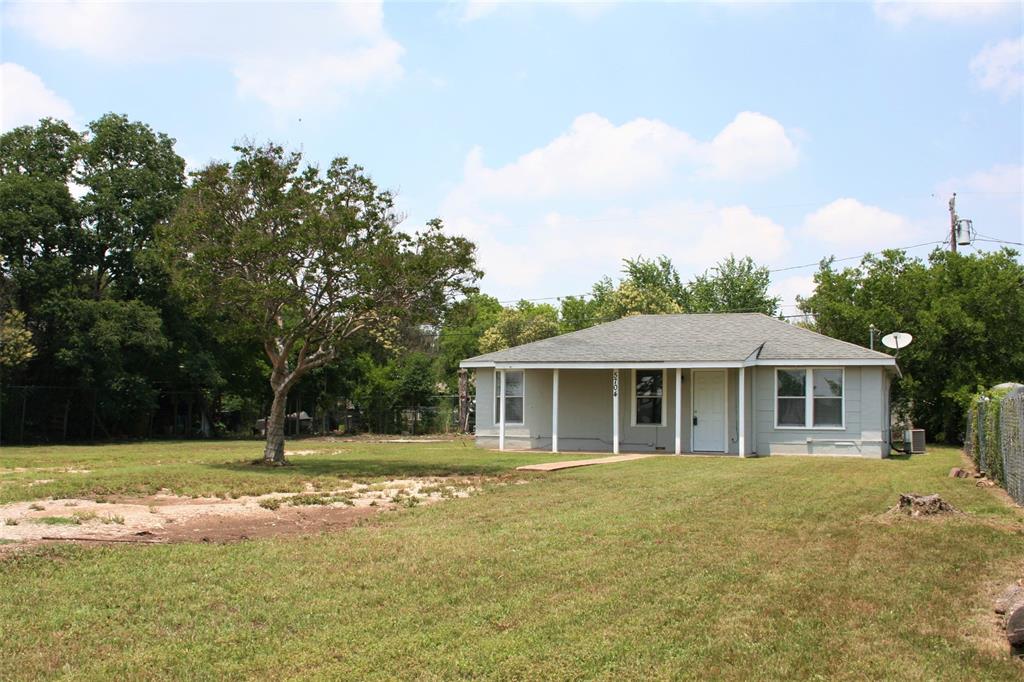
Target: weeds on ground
321, 499
58, 520
271, 503
309, 499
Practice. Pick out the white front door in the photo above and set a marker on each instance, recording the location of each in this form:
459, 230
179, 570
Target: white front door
709, 410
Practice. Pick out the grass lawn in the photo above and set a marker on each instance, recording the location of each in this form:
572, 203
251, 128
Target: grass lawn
664, 567
224, 468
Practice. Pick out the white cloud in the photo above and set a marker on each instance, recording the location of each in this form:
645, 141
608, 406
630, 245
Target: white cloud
288, 59
24, 98
473, 10
596, 158
850, 224
1005, 179
1000, 67
788, 288
478, 9
593, 157
752, 146
902, 12
555, 216
554, 253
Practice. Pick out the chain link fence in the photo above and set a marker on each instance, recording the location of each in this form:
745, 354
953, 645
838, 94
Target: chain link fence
995, 436
60, 414
1011, 440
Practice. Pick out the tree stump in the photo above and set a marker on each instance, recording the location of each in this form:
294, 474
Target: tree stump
924, 505
1015, 630
1012, 597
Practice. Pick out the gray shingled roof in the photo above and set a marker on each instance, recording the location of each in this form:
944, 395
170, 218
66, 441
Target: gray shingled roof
708, 337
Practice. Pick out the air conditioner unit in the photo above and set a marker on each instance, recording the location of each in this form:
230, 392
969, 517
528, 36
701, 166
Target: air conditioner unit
913, 441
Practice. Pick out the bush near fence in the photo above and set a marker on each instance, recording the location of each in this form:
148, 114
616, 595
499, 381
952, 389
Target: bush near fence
995, 422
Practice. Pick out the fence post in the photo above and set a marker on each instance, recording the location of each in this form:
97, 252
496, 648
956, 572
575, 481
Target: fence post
24, 401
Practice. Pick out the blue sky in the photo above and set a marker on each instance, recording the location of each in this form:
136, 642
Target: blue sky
563, 137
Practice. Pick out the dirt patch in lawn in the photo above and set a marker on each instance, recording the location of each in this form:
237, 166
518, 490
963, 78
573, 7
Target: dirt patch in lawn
166, 517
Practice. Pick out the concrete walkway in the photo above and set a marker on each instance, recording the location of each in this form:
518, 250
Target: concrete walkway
572, 463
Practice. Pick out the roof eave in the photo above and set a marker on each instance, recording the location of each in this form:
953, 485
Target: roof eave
788, 362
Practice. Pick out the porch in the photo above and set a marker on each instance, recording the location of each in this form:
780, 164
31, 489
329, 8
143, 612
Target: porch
625, 409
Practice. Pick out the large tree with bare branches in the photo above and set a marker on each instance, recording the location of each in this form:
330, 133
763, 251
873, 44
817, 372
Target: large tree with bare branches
303, 260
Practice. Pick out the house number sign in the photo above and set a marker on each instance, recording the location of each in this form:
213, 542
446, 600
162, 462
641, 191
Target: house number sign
615, 383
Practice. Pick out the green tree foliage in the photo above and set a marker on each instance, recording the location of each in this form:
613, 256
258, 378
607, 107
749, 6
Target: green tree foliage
654, 287
405, 381
39, 218
460, 333
575, 312
134, 178
525, 323
15, 340
650, 287
964, 312
734, 285
112, 346
647, 287
303, 260
76, 267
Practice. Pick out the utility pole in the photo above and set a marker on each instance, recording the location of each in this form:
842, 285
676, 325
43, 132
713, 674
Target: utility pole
952, 223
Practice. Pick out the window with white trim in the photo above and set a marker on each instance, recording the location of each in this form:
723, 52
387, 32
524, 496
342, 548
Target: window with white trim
515, 385
649, 397
810, 398
791, 397
828, 397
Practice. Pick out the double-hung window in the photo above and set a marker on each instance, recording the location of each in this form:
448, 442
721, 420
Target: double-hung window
809, 398
791, 397
514, 392
649, 397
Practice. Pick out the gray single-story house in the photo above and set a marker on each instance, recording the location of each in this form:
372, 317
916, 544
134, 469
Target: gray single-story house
730, 383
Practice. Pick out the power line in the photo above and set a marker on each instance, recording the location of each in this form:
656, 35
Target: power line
989, 238
866, 253
785, 269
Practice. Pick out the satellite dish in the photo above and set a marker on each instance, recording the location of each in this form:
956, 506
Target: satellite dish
897, 340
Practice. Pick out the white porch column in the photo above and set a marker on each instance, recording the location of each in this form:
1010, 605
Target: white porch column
615, 411
679, 410
501, 412
742, 430
554, 411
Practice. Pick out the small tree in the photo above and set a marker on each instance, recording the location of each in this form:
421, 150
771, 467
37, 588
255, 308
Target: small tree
303, 260
734, 285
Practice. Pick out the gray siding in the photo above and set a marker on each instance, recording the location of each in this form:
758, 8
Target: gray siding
866, 408
585, 406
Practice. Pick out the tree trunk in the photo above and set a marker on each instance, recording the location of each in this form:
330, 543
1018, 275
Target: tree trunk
273, 453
